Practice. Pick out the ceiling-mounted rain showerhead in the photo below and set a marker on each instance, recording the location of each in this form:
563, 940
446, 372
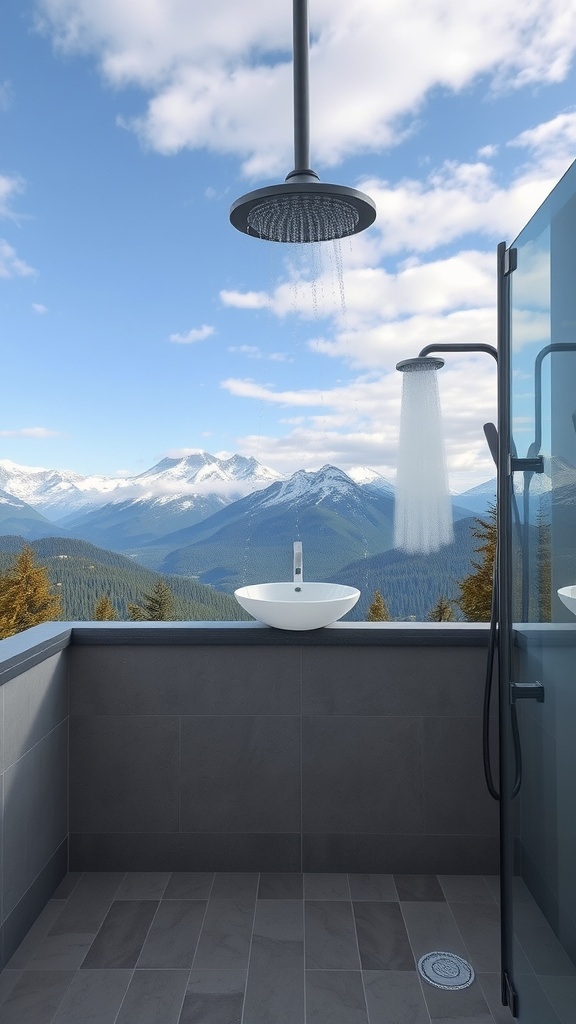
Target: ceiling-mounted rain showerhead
302, 211
419, 363
302, 208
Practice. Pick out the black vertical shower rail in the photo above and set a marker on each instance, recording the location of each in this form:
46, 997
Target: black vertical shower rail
507, 463
506, 263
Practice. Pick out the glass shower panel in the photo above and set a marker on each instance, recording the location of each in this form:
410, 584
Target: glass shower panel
543, 336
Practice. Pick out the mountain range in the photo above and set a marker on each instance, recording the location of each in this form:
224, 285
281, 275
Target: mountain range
229, 521
222, 520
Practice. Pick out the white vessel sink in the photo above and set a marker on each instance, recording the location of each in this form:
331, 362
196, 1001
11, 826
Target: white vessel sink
297, 605
568, 597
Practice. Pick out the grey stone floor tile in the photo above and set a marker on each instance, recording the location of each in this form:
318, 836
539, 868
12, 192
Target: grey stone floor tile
173, 936
520, 960
189, 885
382, 937
275, 986
330, 936
224, 942
36, 934
467, 1005
287, 885
535, 1006
67, 885
35, 997
154, 997
545, 952
107, 882
8, 979
121, 937
275, 994
561, 992
465, 889
431, 926
335, 997
61, 952
94, 997
490, 985
235, 885
214, 997
143, 885
479, 926
394, 997
89, 902
493, 883
373, 887
278, 934
326, 886
521, 892
418, 887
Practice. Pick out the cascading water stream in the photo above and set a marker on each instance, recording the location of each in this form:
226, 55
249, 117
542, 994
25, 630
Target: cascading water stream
423, 510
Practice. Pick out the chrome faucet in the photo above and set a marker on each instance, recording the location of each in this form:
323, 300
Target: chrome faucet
298, 562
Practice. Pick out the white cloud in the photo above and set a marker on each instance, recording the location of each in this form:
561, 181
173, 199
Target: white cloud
6, 95
10, 264
357, 423
10, 187
253, 352
36, 432
39, 308
194, 334
245, 300
487, 152
216, 74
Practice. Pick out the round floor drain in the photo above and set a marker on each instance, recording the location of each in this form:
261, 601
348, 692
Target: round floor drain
446, 970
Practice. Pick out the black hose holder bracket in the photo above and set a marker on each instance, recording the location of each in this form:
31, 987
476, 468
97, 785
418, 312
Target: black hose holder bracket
526, 691
533, 465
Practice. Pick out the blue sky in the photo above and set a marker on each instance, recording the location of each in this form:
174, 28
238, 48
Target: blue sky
135, 322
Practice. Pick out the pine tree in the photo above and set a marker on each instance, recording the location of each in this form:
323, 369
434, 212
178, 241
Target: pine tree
476, 589
158, 605
25, 596
104, 610
442, 611
378, 610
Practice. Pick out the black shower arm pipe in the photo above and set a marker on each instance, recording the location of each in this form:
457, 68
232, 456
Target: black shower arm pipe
301, 40
464, 347
556, 346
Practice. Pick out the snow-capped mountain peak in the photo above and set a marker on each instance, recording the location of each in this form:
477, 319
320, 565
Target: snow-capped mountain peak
60, 493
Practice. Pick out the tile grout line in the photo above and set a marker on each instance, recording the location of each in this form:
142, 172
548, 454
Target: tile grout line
203, 918
417, 972
122, 1001
250, 950
358, 948
68, 987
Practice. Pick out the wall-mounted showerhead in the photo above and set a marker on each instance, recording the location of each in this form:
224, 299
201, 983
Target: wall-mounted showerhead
420, 363
302, 208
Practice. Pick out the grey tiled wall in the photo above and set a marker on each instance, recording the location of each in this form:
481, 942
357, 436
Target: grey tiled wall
34, 791
279, 758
